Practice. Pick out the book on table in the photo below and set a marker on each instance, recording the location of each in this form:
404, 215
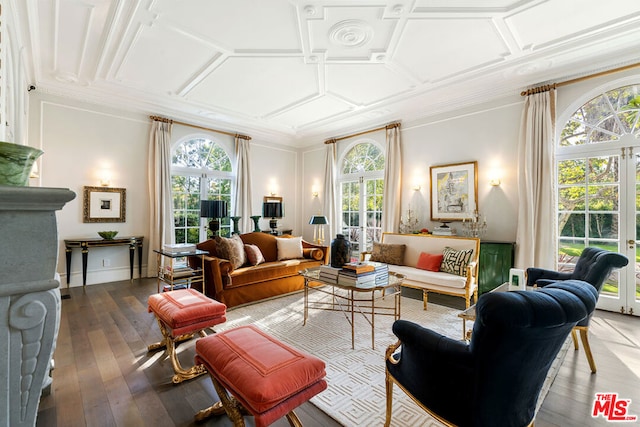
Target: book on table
358, 267
367, 280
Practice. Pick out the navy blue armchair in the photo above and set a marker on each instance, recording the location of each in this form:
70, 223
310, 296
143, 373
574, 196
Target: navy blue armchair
593, 266
495, 379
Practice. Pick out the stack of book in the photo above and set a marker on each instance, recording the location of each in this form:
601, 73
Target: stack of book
360, 275
382, 272
329, 274
179, 248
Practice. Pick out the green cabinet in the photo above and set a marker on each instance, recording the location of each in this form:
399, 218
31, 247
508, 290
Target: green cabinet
496, 258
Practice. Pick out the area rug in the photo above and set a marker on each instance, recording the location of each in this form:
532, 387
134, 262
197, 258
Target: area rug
356, 378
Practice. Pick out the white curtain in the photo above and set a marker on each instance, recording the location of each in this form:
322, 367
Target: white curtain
392, 180
536, 235
160, 203
242, 201
330, 191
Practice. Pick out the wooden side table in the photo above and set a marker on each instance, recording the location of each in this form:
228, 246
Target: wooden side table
134, 242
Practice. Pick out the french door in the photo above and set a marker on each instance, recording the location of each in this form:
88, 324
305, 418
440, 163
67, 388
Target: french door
361, 210
599, 205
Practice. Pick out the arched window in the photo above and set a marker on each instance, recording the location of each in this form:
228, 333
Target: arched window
361, 188
598, 192
200, 170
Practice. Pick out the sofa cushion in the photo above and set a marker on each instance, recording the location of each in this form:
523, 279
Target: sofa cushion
265, 241
313, 253
430, 262
455, 262
289, 248
388, 253
232, 249
268, 271
414, 277
254, 256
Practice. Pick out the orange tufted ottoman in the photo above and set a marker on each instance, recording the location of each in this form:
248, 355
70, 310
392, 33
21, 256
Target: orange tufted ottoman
181, 314
266, 377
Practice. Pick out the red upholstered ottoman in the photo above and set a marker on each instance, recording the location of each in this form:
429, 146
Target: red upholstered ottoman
181, 314
267, 378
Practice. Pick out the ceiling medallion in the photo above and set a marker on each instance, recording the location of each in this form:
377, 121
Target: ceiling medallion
351, 33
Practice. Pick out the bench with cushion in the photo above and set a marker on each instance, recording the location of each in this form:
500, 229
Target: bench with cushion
441, 264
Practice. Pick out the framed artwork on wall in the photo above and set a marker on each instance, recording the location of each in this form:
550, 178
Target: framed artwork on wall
104, 204
454, 191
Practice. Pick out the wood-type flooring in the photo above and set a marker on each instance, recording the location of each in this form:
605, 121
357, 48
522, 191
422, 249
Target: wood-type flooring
98, 379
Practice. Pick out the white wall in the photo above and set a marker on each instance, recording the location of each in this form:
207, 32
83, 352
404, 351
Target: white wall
81, 139
80, 142
487, 135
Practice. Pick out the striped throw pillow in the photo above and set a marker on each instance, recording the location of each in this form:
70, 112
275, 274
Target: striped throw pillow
455, 262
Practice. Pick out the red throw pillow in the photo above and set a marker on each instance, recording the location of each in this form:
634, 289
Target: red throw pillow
429, 262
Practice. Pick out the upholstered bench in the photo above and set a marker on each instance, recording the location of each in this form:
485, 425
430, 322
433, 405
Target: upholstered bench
181, 314
267, 378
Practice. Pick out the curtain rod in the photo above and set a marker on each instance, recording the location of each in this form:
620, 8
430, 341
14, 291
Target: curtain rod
389, 126
165, 120
545, 88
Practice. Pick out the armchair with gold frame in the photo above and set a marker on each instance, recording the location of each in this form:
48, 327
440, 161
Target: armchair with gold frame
495, 379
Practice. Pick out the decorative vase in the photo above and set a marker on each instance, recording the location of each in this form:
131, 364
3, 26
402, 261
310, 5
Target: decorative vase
340, 251
256, 218
236, 228
16, 162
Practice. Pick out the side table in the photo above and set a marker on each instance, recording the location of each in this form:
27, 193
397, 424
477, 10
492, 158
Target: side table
91, 242
180, 276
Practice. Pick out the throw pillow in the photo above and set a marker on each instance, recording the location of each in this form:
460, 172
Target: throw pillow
254, 255
455, 262
289, 248
388, 253
232, 249
430, 262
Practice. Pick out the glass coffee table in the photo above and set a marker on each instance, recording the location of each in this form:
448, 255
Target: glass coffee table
349, 299
470, 313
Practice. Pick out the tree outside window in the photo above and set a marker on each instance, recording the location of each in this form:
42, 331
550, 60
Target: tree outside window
201, 170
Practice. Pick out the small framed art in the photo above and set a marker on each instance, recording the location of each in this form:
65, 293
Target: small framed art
454, 191
104, 204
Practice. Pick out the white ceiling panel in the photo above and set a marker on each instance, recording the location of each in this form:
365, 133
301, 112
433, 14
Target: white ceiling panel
315, 111
562, 20
159, 62
365, 84
257, 86
297, 70
435, 49
238, 25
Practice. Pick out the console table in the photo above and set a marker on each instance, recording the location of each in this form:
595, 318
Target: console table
92, 242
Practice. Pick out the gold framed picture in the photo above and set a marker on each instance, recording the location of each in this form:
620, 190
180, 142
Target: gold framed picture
454, 191
104, 204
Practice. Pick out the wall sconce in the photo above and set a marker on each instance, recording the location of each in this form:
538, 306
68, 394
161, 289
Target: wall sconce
495, 175
105, 178
417, 187
495, 182
314, 190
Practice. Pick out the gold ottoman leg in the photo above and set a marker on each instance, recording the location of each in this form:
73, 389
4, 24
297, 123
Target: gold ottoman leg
169, 344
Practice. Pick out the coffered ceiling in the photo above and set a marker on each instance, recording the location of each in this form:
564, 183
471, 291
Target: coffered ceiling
301, 70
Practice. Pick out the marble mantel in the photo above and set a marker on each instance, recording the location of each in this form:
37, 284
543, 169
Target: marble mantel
29, 296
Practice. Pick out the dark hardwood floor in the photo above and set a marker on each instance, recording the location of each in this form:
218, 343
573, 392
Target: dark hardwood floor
104, 375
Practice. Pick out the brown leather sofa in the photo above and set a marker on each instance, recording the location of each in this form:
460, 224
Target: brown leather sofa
253, 283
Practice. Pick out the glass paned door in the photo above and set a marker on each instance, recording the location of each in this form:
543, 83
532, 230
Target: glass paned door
362, 199
597, 206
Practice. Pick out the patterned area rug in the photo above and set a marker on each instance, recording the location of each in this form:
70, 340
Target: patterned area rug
356, 392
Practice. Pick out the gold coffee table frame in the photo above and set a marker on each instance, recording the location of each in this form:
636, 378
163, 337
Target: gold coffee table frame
470, 313
349, 299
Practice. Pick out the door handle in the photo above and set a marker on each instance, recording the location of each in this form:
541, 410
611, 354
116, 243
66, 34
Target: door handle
631, 243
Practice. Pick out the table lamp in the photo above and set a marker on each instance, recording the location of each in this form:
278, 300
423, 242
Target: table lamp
318, 221
272, 210
214, 209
